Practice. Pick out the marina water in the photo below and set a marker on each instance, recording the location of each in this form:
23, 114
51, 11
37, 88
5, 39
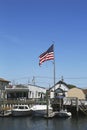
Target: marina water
34, 123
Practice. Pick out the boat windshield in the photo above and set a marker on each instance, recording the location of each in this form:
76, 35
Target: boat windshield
15, 107
26, 107
21, 107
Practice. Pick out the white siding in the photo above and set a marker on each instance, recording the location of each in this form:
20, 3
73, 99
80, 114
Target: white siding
61, 86
35, 91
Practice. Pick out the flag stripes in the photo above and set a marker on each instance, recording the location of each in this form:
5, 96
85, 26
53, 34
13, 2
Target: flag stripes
48, 55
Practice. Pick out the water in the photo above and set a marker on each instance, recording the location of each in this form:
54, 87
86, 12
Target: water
33, 123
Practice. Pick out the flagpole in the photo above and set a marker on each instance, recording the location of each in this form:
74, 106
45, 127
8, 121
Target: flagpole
54, 71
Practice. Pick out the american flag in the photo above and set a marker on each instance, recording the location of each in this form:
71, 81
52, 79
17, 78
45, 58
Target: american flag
47, 55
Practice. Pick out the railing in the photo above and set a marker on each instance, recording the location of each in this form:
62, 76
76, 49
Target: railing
66, 101
10, 103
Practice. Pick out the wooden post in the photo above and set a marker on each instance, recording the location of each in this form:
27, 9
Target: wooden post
47, 103
77, 106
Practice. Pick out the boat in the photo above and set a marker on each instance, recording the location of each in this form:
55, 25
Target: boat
5, 113
21, 110
40, 110
63, 113
50, 115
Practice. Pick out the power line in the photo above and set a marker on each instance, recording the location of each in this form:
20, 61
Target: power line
75, 78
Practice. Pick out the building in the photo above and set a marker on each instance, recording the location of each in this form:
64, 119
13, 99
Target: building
24, 91
3, 84
60, 89
32, 91
8, 91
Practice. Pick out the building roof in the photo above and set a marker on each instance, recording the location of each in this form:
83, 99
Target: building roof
60, 82
4, 80
38, 86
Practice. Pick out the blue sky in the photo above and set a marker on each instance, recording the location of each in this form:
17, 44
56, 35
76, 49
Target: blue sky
29, 27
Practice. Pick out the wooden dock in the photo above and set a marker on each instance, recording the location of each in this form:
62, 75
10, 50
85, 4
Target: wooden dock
73, 105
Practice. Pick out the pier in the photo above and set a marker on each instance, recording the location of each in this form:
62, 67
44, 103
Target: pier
74, 105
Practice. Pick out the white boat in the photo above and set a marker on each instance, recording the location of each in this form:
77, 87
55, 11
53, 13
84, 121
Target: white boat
5, 113
50, 115
64, 113
40, 110
21, 110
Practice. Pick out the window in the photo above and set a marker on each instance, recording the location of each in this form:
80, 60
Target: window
26, 107
21, 107
38, 93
